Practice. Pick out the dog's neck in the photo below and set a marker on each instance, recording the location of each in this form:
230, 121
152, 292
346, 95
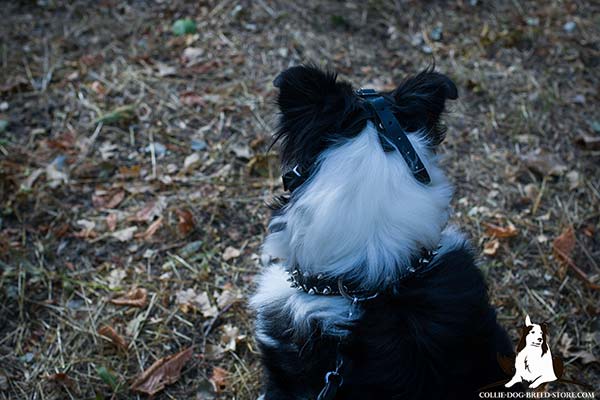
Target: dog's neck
362, 215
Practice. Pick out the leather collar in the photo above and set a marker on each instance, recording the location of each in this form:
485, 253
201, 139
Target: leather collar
336, 286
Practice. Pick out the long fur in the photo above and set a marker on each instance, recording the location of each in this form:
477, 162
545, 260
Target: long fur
362, 216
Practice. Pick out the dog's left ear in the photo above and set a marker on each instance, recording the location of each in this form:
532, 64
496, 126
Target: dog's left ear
421, 100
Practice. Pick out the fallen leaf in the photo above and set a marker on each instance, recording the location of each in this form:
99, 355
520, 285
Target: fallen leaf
542, 163
186, 221
187, 299
162, 372
115, 277
230, 337
124, 235
501, 232
62, 378
491, 247
219, 379
191, 99
574, 181
588, 142
137, 297
30, 180
227, 297
99, 88
115, 338
192, 56
231, 253
564, 244
191, 161
111, 222
165, 70
151, 210
151, 229
55, 172
241, 151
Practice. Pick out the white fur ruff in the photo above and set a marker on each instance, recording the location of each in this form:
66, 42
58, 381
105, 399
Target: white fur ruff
362, 215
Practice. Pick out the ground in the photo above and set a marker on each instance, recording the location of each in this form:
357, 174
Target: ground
133, 158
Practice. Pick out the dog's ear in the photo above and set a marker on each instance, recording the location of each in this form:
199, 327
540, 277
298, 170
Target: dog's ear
528, 321
312, 104
421, 101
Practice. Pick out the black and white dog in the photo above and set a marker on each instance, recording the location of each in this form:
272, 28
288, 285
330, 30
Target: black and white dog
366, 293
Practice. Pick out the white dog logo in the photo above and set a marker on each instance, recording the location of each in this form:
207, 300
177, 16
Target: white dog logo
534, 362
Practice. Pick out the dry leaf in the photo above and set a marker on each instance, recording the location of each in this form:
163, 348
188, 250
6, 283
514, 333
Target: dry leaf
191, 161
115, 278
28, 183
164, 371
564, 244
543, 163
62, 379
588, 142
151, 210
231, 253
115, 338
116, 199
187, 299
99, 88
226, 298
111, 222
151, 229
124, 235
491, 247
219, 379
136, 298
501, 232
192, 56
191, 99
165, 70
186, 221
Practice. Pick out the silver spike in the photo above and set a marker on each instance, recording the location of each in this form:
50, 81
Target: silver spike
327, 290
311, 291
320, 276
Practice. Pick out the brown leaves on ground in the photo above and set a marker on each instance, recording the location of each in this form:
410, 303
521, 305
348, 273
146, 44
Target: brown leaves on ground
501, 232
113, 336
186, 222
188, 299
563, 247
62, 378
497, 232
137, 297
219, 379
564, 244
491, 247
164, 371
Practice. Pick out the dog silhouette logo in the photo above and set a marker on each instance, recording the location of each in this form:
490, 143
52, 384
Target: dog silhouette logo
534, 364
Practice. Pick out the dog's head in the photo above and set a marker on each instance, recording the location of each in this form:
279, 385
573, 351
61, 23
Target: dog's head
533, 335
317, 111
358, 209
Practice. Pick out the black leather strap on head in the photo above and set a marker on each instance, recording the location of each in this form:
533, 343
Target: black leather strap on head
393, 137
389, 127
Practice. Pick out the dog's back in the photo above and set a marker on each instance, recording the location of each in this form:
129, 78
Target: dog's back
437, 337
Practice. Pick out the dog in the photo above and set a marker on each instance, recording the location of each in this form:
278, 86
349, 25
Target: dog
366, 292
534, 362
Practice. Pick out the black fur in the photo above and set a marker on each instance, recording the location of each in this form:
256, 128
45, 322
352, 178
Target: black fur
437, 338
316, 110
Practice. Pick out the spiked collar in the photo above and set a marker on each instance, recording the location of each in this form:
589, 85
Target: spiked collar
322, 285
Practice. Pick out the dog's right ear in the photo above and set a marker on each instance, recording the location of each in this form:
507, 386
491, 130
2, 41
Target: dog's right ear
421, 101
312, 104
528, 321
